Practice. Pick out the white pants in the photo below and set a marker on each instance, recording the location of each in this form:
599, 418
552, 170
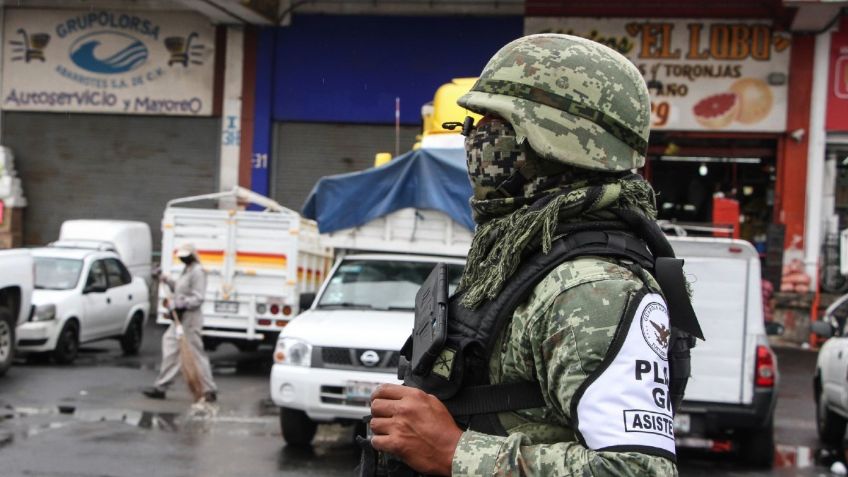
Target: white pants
171, 357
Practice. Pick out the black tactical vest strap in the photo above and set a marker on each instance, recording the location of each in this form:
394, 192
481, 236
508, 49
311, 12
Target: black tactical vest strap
669, 275
484, 324
473, 334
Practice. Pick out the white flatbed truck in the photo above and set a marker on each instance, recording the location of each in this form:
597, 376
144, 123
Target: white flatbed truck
259, 264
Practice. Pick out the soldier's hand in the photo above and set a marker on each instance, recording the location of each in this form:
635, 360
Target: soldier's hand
414, 426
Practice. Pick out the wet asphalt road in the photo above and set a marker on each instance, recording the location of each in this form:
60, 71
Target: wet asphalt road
89, 420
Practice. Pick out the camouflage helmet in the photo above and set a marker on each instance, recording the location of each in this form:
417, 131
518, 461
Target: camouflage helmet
576, 101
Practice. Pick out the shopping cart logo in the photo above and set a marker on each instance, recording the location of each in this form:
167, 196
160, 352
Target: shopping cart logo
30, 46
108, 52
184, 50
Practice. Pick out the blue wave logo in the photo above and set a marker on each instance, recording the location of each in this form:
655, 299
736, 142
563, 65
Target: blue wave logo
108, 52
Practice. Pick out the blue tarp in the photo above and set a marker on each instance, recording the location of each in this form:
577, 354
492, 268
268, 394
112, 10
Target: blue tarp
423, 179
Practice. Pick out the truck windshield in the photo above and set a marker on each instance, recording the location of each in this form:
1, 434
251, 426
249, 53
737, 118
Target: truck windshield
380, 285
56, 273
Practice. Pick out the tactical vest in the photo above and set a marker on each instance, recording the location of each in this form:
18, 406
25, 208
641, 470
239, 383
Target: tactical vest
460, 377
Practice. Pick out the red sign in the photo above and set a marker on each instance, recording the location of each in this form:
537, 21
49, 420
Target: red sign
837, 101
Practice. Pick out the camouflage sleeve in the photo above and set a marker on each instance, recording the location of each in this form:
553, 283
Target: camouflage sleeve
485, 455
559, 341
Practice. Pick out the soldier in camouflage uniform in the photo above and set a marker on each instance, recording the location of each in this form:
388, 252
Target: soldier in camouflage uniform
565, 122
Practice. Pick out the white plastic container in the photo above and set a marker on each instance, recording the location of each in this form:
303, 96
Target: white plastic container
7, 186
7, 162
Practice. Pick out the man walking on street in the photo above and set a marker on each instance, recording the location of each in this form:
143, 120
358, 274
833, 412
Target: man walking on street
187, 292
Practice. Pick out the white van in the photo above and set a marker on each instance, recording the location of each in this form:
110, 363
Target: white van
731, 396
131, 240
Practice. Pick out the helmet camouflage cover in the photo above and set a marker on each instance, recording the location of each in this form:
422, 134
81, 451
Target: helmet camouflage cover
576, 101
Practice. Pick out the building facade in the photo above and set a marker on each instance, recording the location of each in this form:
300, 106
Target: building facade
320, 87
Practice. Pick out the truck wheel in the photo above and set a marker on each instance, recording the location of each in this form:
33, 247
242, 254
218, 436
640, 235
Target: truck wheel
131, 340
7, 340
757, 447
830, 425
67, 346
298, 429
210, 344
247, 346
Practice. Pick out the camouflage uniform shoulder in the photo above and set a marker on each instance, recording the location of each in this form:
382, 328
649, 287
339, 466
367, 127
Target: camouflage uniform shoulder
576, 272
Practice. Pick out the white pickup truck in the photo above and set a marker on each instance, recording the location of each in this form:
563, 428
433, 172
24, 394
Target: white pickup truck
330, 358
16, 285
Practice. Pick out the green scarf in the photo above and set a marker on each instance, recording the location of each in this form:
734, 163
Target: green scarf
507, 226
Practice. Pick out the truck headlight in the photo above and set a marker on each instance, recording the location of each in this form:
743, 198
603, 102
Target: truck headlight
44, 313
293, 352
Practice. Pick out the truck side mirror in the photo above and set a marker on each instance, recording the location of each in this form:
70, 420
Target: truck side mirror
94, 289
306, 300
822, 329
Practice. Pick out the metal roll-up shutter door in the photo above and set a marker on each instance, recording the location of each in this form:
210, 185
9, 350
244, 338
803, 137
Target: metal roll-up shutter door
305, 152
108, 166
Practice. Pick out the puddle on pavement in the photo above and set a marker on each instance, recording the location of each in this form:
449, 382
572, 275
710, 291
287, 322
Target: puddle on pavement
32, 431
162, 421
201, 418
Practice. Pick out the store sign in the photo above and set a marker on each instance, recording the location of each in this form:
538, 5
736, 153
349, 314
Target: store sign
703, 75
107, 62
837, 100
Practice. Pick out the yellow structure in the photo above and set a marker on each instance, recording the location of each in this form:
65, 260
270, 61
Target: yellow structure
441, 110
382, 158
444, 108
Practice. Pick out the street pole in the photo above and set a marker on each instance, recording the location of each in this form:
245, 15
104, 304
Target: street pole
230, 146
397, 127
813, 215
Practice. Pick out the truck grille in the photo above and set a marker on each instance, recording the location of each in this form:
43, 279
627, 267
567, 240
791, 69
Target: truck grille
385, 361
336, 395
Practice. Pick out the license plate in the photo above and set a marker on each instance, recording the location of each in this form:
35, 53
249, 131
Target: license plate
359, 390
226, 307
682, 423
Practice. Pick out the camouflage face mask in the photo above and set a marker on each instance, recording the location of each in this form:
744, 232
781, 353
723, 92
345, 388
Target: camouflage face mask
494, 155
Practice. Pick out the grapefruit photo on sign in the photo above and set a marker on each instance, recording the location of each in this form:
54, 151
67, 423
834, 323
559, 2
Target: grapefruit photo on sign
718, 110
756, 99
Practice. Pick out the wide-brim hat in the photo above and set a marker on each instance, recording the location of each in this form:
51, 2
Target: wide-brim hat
186, 250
